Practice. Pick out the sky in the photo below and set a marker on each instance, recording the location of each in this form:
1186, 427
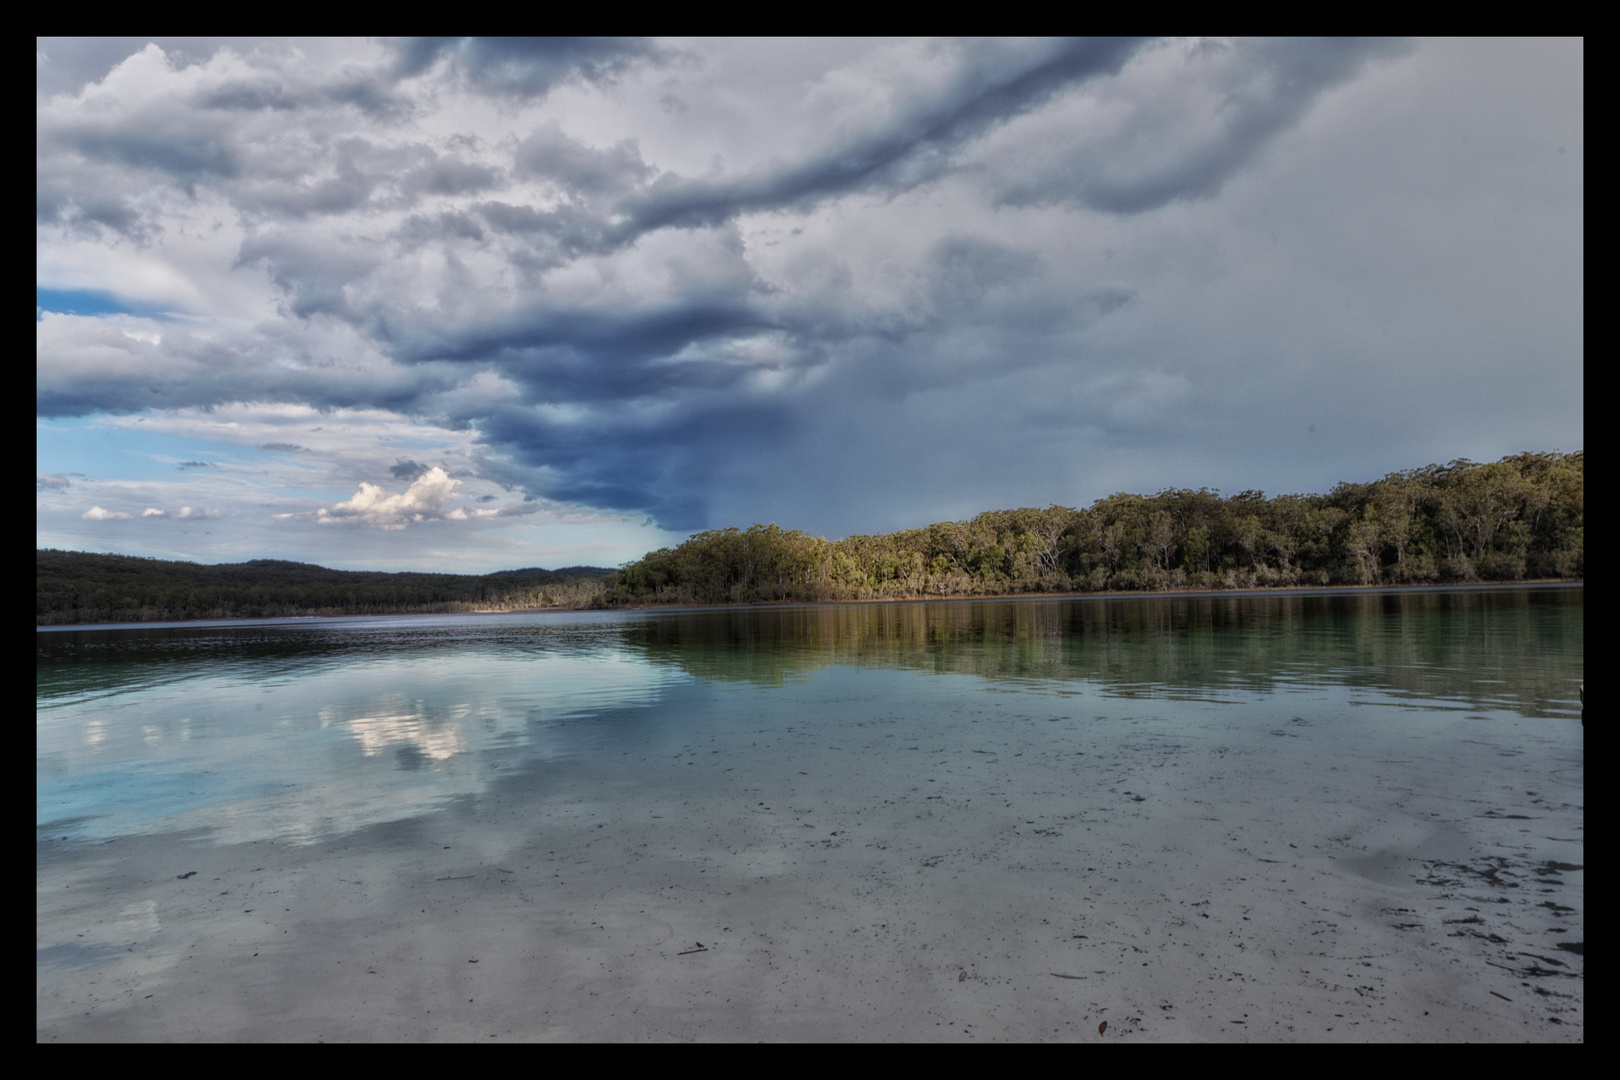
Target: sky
466, 305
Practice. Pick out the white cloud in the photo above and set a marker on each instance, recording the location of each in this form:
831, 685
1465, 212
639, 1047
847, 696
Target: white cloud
197, 512
381, 509
152, 512
96, 513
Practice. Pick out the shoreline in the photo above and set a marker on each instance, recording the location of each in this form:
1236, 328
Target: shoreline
1259, 590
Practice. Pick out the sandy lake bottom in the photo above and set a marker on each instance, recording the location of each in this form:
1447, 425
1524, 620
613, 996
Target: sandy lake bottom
853, 854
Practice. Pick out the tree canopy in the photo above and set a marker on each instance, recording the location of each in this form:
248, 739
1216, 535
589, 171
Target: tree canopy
81, 587
1514, 519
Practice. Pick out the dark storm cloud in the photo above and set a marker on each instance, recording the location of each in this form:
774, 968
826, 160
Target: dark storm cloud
312, 274
592, 355
346, 187
447, 225
87, 365
183, 153
660, 400
86, 213
447, 175
915, 146
580, 168
525, 67
373, 97
251, 96
96, 165
661, 468
1263, 89
85, 167
550, 238
362, 174
407, 470
965, 272
622, 347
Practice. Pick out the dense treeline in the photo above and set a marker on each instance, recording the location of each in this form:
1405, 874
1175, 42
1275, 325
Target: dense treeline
80, 587
1514, 519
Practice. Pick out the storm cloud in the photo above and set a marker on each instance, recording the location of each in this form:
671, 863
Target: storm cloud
849, 286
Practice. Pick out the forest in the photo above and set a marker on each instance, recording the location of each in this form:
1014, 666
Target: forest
81, 587
1520, 518
1516, 519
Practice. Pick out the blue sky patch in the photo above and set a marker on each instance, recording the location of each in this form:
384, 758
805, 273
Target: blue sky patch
88, 302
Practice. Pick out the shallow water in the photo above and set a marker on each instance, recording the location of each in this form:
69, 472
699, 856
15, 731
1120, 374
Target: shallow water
959, 765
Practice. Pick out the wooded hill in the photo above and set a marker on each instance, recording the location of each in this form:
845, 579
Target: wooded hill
80, 587
1514, 519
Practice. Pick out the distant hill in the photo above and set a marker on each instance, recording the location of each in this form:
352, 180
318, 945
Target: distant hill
82, 587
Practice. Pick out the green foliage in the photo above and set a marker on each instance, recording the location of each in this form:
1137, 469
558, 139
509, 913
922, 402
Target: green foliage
1521, 517
80, 587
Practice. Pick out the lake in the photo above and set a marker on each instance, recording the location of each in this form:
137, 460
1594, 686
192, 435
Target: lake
1351, 815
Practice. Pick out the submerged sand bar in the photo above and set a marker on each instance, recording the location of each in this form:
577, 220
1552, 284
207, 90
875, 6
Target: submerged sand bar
870, 854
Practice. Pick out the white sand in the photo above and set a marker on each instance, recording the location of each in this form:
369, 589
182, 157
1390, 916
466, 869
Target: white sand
1274, 881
